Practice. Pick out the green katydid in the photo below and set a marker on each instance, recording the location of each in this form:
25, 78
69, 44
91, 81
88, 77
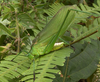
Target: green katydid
46, 39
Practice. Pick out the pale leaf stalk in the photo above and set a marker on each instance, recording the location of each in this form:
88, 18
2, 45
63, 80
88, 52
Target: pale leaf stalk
18, 34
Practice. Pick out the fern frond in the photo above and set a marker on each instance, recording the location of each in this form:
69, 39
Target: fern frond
97, 6
54, 8
96, 76
45, 69
12, 69
91, 32
84, 11
27, 22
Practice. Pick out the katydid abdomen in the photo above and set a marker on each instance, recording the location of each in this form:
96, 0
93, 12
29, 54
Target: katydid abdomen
37, 50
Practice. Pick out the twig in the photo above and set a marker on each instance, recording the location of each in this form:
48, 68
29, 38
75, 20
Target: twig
18, 35
81, 39
66, 70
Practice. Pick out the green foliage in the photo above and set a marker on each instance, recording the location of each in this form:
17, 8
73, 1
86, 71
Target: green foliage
46, 67
43, 21
13, 69
82, 63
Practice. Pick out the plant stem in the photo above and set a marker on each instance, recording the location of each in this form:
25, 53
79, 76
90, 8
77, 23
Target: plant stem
66, 70
18, 35
81, 38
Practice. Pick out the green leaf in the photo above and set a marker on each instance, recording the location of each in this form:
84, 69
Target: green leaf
3, 79
1, 49
82, 63
6, 9
26, 21
86, 33
54, 8
5, 17
4, 22
11, 7
13, 69
2, 38
5, 29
